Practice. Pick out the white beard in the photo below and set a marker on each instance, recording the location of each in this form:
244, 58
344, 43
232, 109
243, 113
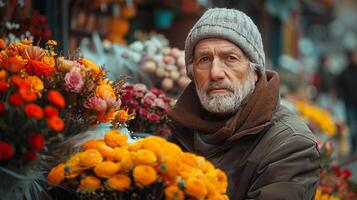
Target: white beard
230, 101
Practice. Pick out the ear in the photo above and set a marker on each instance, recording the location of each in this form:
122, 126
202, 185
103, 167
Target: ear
256, 76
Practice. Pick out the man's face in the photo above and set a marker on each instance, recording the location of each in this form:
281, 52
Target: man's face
222, 75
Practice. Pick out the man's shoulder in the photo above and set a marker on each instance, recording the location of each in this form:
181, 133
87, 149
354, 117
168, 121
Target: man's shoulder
288, 127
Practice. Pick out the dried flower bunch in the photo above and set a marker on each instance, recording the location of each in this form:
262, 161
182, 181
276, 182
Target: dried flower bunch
150, 168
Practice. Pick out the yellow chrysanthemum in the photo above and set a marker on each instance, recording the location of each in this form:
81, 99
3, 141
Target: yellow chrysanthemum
119, 182
36, 84
152, 145
90, 64
90, 144
195, 188
115, 138
105, 150
145, 157
119, 153
106, 169
189, 158
144, 175
172, 192
90, 158
56, 175
49, 60
89, 184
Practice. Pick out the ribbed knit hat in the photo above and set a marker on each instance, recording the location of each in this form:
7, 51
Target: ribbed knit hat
229, 24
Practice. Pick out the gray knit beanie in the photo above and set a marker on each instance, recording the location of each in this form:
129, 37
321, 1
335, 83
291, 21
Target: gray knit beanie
229, 24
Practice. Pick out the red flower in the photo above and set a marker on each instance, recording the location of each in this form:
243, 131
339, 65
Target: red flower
336, 170
2, 107
133, 105
35, 67
346, 173
16, 100
12, 64
3, 86
34, 111
153, 117
27, 95
36, 141
6, 151
50, 112
56, 98
29, 155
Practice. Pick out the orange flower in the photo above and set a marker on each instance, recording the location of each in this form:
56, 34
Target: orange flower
2, 44
90, 158
56, 175
144, 175
106, 169
145, 157
13, 64
50, 112
119, 182
123, 116
56, 98
196, 188
126, 163
105, 117
34, 111
39, 68
173, 192
115, 138
36, 84
55, 123
189, 158
119, 153
90, 144
153, 145
2, 74
105, 150
106, 92
27, 95
89, 183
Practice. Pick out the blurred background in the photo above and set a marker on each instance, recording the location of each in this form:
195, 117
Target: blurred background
311, 43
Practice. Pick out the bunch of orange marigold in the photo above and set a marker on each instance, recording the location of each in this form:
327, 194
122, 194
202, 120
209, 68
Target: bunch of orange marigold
29, 113
150, 168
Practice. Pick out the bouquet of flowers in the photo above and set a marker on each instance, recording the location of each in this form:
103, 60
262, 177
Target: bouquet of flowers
30, 114
148, 106
149, 168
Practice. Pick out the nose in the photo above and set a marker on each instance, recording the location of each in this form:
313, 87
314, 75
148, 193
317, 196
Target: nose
217, 70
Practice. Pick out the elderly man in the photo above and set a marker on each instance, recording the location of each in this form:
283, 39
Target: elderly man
231, 114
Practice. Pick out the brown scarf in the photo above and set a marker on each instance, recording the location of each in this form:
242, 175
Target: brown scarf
251, 118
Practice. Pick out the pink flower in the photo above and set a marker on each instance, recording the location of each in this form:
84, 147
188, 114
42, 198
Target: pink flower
152, 117
156, 91
139, 87
143, 112
138, 94
127, 86
133, 104
97, 103
147, 102
150, 95
159, 103
114, 104
127, 95
167, 99
74, 81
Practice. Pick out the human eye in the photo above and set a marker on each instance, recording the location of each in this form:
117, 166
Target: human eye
203, 59
232, 58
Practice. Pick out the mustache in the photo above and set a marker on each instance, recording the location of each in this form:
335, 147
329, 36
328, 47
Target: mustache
221, 84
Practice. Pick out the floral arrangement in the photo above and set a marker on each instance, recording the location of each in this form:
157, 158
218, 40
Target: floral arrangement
91, 97
148, 106
318, 118
29, 114
149, 168
334, 180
